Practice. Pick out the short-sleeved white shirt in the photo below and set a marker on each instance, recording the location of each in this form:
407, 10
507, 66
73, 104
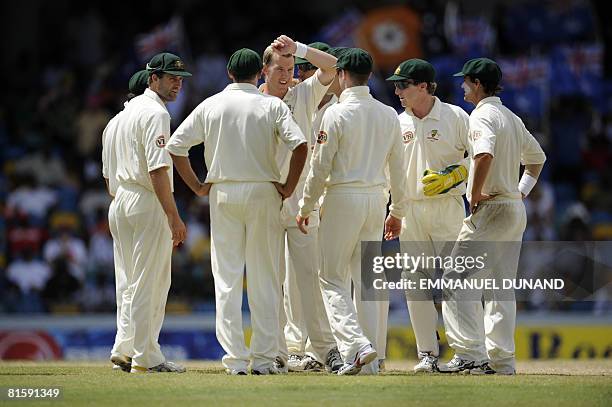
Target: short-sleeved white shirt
109, 156
142, 131
496, 130
359, 142
241, 129
434, 142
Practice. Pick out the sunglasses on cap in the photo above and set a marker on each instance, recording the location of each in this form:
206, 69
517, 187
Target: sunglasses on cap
401, 85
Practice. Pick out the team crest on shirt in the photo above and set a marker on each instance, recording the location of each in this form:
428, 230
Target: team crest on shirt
322, 137
476, 134
160, 141
407, 137
433, 135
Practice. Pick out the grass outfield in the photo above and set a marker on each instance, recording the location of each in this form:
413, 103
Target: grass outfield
557, 383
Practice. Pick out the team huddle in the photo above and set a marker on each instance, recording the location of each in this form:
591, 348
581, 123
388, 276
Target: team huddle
300, 171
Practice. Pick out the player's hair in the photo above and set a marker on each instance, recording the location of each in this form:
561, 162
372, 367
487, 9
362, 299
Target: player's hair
244, 78
267, 55
358, 79
490, 88
431, 87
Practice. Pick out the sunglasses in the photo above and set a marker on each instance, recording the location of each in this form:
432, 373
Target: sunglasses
401, 85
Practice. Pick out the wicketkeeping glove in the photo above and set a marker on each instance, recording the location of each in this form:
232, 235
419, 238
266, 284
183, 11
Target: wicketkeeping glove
440, 182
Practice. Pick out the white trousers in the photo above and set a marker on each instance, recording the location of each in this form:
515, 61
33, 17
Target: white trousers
348, 218
477, 333
428, 225
120, 285
144, 245
307, 330
245, 228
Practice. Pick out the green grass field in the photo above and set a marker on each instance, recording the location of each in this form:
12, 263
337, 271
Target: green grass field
558, 383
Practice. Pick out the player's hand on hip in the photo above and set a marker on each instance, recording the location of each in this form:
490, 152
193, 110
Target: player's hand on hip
204, 189
282, 190
476, 199
393, 227
302, 223
178, 229
284, 45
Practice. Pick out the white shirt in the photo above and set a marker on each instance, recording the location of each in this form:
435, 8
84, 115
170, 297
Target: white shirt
303, 100
495, 130
142, 131
434, 142
241, 129
359, 139
109, 158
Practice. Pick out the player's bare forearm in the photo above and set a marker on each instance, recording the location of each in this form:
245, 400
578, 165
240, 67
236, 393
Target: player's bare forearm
296, 166
482, 165
534, 169
321, 59
185, 170
161, 186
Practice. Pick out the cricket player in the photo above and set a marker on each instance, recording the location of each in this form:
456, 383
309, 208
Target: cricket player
435, 138
146, 222
359, 138
241, 129
306, 317
136, 85
483, 339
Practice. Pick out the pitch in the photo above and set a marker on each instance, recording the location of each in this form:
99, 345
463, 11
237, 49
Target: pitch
558, 383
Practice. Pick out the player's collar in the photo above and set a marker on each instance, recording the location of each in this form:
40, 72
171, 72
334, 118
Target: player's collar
433, 114
151, 94
242, 86
490, 99
355, 91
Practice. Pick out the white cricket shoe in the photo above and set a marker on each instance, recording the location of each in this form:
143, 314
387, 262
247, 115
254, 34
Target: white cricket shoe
363, 357
236, 372
312, 365
427, 364
333, 361
280, 365
262, 371
165, 367
295, 363
483, 369
457, 365
122, 362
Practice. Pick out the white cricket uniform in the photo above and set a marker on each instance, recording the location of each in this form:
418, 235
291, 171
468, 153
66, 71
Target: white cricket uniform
109, 166
303, 302
359, 139
141, 232
477, 334
241, 129
434, 142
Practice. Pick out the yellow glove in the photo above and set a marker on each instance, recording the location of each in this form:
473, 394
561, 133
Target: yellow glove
440, 182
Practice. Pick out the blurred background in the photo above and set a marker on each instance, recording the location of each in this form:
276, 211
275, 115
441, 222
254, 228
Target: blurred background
66, 65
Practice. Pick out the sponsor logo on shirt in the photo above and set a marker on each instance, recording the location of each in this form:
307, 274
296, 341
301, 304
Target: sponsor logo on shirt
408, 137
477, 134
160, 141
433, 135
322, 137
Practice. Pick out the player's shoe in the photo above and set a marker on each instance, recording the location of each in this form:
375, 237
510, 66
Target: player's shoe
381, 366
312, 365
235, 372
165, 367
295, 364
457, 365
280, 365
333, 361
122, 362
483, 369
265, 371
366, 355
427, 364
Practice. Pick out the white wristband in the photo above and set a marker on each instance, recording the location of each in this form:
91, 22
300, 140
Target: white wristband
526, 184
301, 50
